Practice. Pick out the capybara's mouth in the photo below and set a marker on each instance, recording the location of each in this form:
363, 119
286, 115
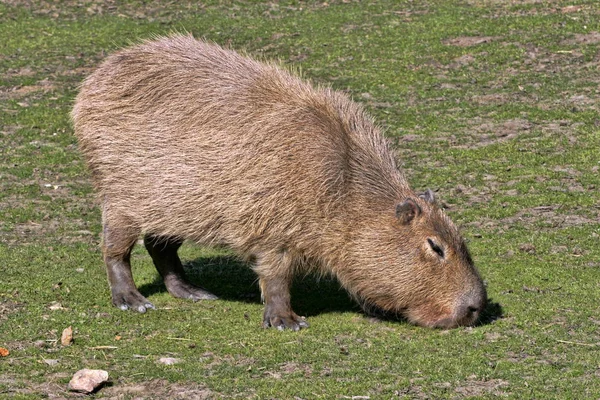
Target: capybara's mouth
462, 316
451, 322
467, 318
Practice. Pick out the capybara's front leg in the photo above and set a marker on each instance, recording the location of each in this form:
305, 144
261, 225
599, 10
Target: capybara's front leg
164, 254
278, 311
275, 281
116, 248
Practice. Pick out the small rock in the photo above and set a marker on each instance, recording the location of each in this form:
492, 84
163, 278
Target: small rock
492, 336
87, 380
51, 362
55, 306
67, 336
169, 360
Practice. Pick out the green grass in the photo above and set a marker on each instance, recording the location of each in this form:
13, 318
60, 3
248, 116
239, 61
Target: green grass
507, 131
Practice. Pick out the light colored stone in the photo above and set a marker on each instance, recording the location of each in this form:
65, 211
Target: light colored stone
67, 336
87, 380
169, 360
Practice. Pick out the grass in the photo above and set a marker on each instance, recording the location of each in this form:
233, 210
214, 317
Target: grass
493, 104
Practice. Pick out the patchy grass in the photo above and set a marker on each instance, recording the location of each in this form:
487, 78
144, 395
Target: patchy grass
493, 104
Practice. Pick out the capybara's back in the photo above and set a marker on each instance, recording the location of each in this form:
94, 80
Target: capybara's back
187, 140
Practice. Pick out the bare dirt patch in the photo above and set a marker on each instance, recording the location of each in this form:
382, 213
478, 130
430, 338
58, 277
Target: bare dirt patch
18, 72
474, 387
289, 368
507, 2
50, 388
468, 41
8, 307
491, 133
54, 388
474, 195
8, 130
149, 11
482, 133
413, 391
492, 98
583, 38
292, 367
546, 7
549, 216
461, 61
159, 389
34, 232
17, 92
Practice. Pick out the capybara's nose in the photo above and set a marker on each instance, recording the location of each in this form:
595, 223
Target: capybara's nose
470, 307
466, 312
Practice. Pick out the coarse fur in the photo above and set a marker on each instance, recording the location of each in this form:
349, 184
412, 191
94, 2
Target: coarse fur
187, 140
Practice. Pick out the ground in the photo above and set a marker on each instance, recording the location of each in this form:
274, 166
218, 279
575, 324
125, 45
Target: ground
492, 104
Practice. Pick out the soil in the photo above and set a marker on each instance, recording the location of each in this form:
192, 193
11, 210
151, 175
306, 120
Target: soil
159, 389
479, 132
549, 217
53, 387
583, 38
468, 41
474, 387
8, 307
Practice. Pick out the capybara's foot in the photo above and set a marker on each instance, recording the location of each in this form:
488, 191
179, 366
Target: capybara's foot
276, 293
184, 290
131, 300
163, 251
283, 321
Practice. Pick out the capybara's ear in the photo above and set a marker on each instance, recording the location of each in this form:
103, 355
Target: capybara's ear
407, 211
428, 196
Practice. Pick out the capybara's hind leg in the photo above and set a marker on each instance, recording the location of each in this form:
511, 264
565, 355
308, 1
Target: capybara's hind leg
116, 248
164, 254
275, 277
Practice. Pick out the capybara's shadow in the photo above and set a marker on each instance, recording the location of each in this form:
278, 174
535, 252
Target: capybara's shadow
493, 311
231, 279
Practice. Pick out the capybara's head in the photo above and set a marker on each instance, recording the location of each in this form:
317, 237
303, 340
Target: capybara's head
412, 261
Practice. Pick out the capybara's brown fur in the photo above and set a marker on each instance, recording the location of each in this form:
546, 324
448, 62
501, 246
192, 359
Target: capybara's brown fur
189, 141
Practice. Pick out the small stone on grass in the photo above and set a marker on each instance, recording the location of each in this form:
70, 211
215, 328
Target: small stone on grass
87, 380
67, 336
169, 360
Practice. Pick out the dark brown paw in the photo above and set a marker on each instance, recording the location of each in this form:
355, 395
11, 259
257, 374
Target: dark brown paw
291, 321
131, 300
183, 290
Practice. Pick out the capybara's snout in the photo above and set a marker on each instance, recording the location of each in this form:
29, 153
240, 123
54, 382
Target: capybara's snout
466, 312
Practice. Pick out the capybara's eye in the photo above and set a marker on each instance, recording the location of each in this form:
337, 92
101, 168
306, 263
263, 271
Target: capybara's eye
436, 248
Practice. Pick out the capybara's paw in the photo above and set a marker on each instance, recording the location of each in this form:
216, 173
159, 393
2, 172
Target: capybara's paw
131, 300
291, 321
185, 290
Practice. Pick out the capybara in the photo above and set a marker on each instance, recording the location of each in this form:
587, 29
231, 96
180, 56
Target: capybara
187, 140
